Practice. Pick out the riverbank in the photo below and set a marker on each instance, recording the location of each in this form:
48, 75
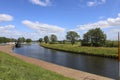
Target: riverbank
12, 68
78, 75
93, 51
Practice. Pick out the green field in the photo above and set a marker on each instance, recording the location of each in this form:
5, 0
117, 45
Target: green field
100, 51
12, 68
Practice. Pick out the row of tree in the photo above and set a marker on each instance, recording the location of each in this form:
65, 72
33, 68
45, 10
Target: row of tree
52, 39
94, 37
20, 39
4, 40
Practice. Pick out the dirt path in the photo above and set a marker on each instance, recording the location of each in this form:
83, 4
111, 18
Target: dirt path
68, 72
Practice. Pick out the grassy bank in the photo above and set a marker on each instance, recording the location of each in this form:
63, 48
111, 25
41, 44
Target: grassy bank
96, 51
12, 68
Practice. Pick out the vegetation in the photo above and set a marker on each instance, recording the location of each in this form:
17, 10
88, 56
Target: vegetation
40, 40
101, 51
110, 43
5, 40
46, 39
21, 39
12, 68
53, 38
28, 40
72, 36
94, 37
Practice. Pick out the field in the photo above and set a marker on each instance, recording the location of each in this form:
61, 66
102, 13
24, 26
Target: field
97, 51
12, 68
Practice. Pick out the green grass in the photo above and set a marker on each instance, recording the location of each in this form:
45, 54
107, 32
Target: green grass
101, 51
12, 68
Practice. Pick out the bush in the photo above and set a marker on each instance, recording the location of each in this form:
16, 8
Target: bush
111, 43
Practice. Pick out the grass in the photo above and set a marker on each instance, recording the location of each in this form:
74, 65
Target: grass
100, 51
12, 68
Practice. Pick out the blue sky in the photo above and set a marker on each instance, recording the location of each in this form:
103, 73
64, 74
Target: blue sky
37, 18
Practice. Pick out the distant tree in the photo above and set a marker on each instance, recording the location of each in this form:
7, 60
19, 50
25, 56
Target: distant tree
110, 43
53, 38
64, 41
46, 39
21, 39
72, 36
3, 40
94, 37
40, 40
12, 40
28, 40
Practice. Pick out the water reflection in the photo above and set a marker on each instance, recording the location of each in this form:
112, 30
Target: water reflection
96, 65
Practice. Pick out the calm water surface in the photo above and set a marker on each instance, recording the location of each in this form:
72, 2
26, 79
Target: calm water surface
97, 65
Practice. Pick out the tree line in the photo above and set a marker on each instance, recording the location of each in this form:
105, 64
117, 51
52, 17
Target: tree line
20, 39
94, 37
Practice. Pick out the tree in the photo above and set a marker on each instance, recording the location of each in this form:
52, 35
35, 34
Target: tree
4, 40
53, 38
21, 39
72, 36
28, 40
46, 39
94, 37
40, 40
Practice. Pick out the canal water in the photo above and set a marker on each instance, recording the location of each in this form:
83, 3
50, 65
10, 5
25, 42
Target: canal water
97, 65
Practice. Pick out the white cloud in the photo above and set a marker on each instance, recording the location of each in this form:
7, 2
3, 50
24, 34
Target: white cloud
40, 27
115, 30
10, 32
41, 2
119, 15
41, 30
6, 28
101, 17
5, 17
96, 2
110, 22
91, 4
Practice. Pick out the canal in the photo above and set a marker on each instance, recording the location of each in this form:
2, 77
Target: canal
97, 65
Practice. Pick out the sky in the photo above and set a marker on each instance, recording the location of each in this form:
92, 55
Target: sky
37, 18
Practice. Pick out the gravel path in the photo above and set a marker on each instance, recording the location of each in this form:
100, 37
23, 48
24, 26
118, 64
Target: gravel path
68, 72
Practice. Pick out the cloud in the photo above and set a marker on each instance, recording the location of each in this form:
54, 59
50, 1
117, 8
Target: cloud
4, 29
91, 3
41, 30
115, 30
96, 2
119, 15
110, 22
41, 2
40, 27
10, 32
5, 17
101, 17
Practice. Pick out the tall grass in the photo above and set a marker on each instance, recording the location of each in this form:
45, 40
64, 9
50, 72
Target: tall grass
101, 51
12, 68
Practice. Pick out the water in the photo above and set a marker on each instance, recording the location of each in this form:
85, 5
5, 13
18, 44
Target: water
97, 65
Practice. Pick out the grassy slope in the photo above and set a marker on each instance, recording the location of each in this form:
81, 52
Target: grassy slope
89, 50
12, 68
